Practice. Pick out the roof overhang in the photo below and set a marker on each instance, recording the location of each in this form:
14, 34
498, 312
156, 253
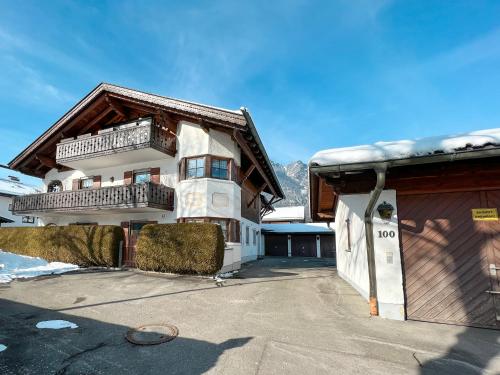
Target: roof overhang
107, 100
491, 151
319, 175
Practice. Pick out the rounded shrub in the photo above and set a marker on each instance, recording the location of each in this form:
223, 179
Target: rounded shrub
181, 248
84, 245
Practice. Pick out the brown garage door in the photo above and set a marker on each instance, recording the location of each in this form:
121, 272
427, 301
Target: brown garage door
303, 245
276, 245
447, 257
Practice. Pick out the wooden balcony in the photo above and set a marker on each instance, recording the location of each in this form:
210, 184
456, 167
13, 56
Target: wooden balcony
135, 196
142, 140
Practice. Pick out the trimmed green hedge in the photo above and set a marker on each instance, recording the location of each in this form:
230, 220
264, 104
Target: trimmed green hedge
181, 248
84, 245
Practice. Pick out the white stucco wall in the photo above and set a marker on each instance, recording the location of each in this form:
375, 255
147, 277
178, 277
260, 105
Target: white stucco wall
251, 251
208, 197
18, 220
192, 140
353, 265
168, 173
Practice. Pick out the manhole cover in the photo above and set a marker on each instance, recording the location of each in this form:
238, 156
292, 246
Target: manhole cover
152, 334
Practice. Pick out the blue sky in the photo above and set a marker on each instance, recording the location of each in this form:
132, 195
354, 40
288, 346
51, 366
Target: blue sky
314, 75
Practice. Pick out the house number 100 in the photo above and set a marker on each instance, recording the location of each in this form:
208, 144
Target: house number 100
386, 233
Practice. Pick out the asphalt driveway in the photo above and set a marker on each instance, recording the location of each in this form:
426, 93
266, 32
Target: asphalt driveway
280, 316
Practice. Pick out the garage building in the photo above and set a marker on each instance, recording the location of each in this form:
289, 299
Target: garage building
416, 222
302, 240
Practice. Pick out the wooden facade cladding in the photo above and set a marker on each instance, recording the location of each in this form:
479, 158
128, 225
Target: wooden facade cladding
467, 175
250, 205
114, 140
125, 196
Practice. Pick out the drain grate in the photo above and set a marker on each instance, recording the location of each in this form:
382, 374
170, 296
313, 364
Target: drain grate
152, 334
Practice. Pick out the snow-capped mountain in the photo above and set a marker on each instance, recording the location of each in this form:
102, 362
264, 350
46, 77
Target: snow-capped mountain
293, 180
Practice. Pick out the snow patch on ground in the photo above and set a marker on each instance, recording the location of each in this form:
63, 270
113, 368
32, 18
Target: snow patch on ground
2, 347
14, 266
383, 151
55, 324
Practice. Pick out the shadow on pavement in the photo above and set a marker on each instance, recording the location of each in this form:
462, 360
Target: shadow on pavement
95, 347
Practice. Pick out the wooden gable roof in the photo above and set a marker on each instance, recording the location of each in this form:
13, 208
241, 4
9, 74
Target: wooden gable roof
110, 104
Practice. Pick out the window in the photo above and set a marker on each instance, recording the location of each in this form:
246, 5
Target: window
219, 169
28, 219
54, 186
195, 168
87, 183
142, 177
223, 225
255, 237
247, 235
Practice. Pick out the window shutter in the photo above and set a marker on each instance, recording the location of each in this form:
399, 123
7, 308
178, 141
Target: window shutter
125, 226
75, 184
234, 231
208, 166
97, 182
235, 172
127, 178
155, 175
182, 169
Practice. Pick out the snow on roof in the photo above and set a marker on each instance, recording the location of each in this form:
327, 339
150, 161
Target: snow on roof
11, 187
286, 213
297, 228
404, 149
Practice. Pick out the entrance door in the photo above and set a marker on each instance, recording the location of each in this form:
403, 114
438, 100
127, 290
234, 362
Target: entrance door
448, 257
304, 245
131, 230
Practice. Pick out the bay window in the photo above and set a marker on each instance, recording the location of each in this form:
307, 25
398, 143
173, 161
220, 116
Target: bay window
219, 169
195, 168
206, 166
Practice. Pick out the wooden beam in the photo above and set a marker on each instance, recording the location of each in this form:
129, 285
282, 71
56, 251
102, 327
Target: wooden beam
167, 121
117, 107
248, 152
257, 193
248, 173
95, 120
204, 125
46, 160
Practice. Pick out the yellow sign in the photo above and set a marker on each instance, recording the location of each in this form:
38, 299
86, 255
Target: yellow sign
484, 214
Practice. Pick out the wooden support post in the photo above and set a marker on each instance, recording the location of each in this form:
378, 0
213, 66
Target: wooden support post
46, 160
245, 148
248, 173
257, 194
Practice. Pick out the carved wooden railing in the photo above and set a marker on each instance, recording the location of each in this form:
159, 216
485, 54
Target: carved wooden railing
123, 138
123, 196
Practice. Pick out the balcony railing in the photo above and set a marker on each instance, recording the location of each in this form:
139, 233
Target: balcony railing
122, 138
124, 196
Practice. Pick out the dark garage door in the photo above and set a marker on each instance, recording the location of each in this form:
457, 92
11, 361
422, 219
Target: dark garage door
276, 245
304, 245
327, 246
450, 259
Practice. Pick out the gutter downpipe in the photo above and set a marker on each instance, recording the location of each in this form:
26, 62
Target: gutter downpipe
370, 246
